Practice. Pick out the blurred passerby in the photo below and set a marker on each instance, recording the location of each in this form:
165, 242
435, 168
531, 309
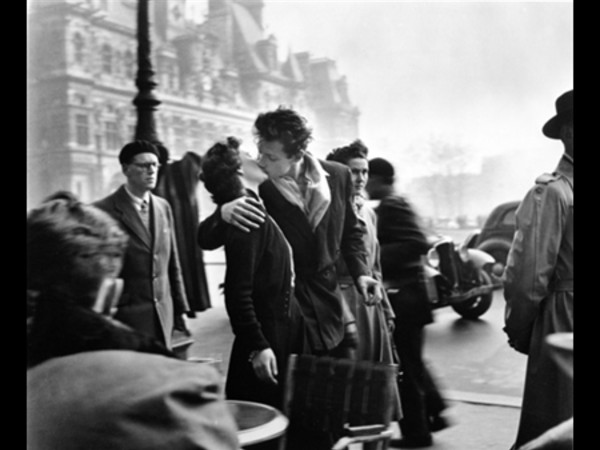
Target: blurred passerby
538, 285
154, 299
118, 399
75, 253
402, 245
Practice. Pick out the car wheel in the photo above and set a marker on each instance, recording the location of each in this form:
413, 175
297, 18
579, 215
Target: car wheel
500, 255
474, 307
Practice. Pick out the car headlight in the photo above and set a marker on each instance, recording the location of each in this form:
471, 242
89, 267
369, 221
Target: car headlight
433, 258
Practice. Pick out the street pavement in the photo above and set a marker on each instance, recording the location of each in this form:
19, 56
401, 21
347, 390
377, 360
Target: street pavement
479, 421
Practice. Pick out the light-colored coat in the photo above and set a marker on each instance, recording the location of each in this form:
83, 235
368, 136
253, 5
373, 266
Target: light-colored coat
153, 283
538, 290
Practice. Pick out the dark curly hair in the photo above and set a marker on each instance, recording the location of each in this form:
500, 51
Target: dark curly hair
67, 245
220, 171
284, 125
344, 154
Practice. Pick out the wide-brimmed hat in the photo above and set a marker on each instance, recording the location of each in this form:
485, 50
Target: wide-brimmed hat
564, 113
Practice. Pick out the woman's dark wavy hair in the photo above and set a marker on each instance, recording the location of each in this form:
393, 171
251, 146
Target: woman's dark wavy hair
67, 242
344, 154
284, 125
220, 171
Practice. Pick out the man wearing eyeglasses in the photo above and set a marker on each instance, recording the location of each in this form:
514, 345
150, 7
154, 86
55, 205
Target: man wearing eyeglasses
153, 299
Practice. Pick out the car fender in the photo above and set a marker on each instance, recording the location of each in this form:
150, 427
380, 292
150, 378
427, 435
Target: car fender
479, 258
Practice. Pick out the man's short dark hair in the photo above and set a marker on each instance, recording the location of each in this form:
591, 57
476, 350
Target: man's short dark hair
136, 147
284, 125
220, 167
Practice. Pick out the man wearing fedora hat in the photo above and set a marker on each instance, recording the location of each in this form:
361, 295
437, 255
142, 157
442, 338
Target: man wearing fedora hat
153, 299
538, 283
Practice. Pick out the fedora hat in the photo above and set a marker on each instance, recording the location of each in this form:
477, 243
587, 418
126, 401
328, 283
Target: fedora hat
564, 113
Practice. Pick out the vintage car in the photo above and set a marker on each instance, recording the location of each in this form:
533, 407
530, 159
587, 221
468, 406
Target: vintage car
497, 233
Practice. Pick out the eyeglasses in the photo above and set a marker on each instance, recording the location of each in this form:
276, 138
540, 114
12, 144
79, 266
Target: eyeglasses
147, 166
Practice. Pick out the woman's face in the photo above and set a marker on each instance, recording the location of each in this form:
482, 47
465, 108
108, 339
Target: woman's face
359, 167
112, 261
252, 174
273, 160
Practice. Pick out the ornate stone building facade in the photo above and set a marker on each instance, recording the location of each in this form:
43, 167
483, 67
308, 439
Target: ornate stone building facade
213, 77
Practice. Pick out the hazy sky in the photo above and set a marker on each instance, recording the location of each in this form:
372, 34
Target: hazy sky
483, 75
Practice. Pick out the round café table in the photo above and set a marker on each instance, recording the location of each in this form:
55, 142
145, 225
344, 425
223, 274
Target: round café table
257, 422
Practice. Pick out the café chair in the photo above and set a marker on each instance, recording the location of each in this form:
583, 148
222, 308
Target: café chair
338, 401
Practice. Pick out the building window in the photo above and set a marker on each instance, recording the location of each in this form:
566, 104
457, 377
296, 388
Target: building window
172, 74
79, 99
78, 47
117, 63
112, 136
98, 139
82, 128
129, 64
106, 55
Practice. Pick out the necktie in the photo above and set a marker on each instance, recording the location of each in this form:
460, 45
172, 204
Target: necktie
144, 214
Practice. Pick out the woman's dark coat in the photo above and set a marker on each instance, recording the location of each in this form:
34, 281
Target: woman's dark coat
178, 183
261, 307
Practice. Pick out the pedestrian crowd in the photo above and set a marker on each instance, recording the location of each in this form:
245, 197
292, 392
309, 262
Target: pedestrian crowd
323, 257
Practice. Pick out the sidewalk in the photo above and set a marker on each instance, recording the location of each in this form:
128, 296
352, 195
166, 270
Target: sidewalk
480, 422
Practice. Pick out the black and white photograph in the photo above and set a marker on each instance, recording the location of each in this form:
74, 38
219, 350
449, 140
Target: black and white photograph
299, 224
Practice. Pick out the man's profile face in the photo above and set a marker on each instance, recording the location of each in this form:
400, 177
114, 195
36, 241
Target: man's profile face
142, 172
567, 137
273, 160
375, 187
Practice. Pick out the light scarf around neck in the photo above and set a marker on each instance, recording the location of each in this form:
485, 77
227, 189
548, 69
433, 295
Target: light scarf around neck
317, 198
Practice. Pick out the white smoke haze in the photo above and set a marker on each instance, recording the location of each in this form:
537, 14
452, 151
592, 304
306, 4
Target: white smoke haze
480, 75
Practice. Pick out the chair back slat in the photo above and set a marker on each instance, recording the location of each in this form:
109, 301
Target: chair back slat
325, 394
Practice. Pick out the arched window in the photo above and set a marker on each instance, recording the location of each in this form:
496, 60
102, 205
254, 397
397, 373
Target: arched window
78, 47
106, 55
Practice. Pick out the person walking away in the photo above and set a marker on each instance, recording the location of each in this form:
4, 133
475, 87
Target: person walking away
154, 299
538, 283
402, 245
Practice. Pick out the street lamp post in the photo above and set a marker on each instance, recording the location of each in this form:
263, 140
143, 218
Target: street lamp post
145, 101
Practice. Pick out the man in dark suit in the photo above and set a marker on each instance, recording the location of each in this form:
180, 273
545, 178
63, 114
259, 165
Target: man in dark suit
310, 200
153, 299
402, 244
